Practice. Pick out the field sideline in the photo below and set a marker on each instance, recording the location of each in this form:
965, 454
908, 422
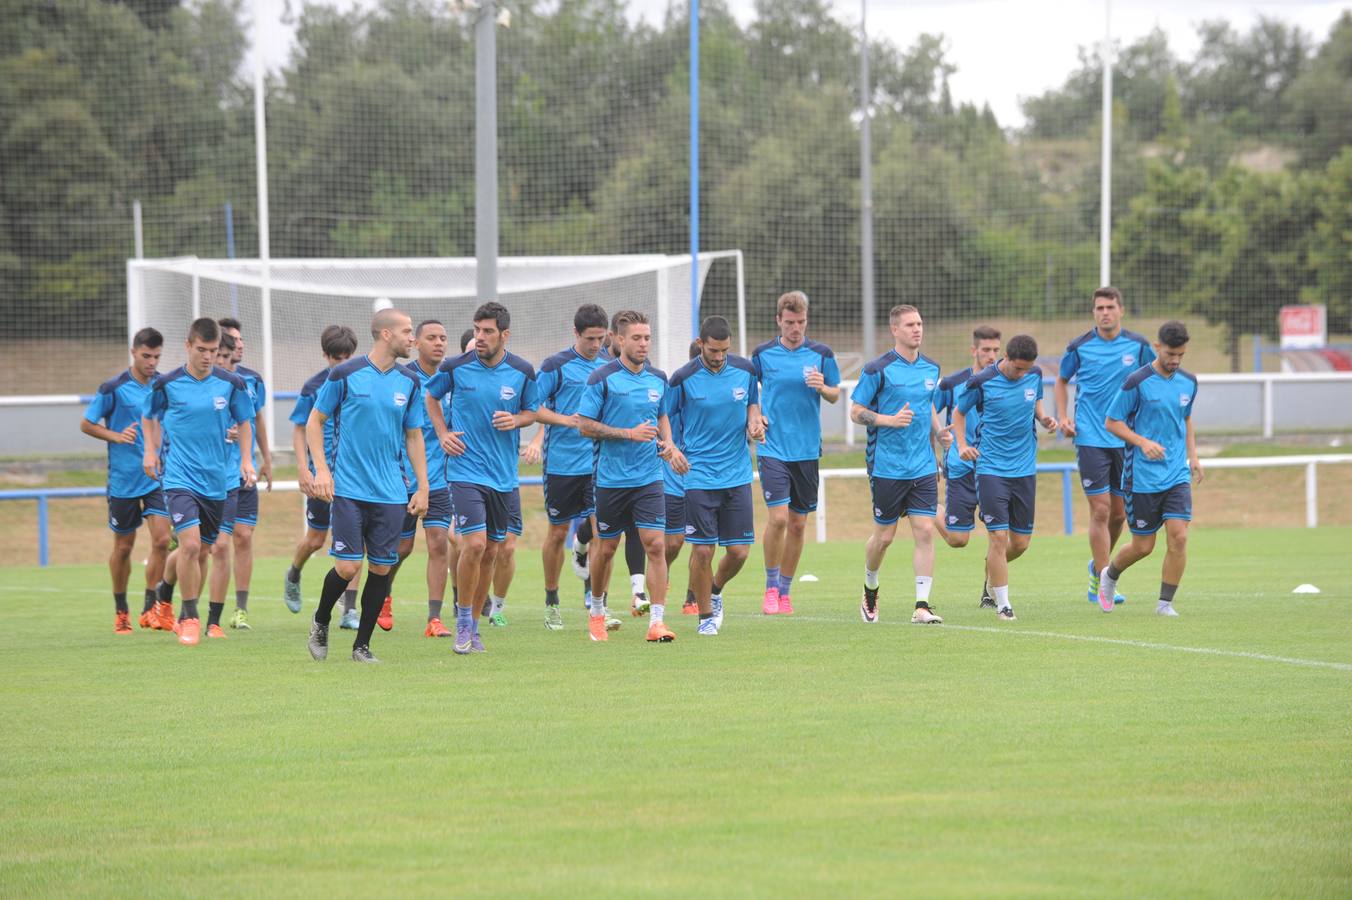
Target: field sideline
1067, 753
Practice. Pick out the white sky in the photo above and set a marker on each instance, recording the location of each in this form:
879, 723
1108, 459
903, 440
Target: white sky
1004, 49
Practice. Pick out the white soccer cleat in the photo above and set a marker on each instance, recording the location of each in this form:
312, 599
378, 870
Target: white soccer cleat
1166, 609
923, 615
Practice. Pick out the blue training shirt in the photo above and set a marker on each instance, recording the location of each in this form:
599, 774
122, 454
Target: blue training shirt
713, 408
1007, 436
792, 408
561, 383
1156, 407
436, 457
672, 483
620, 398
119, 402
371, 411
885, 386
195, 416
257, 392
1099, 367
476, 391
951, 390
300, 414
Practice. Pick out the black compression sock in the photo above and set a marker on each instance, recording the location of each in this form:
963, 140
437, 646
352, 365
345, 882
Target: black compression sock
120, 602
214, 613
293, 575
373, 595
551, 597
334, 585
242, 599
166, 592
152, 597
189, 609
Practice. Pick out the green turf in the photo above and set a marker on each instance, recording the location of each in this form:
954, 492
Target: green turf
811, 756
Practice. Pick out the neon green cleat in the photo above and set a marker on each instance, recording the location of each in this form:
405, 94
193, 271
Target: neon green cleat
240, 620
498, 620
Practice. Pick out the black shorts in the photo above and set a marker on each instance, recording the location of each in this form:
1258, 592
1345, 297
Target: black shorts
960, 503
617, 508
246, 512
568, 497
125, 514
317, 514
1007, 503
514, 524
794, 483
675, 513
229, 509
480, 508
189, 510
438, 513
721, 516
365, 529
894, 498
1146, 512
1100, 469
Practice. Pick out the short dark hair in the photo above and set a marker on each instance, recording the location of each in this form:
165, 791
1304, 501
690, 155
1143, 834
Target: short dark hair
985, 333
147, 337
588, 315
206, 329
715, 328
694, 349
229, 322
424, 323
466, 338
1173, 334
495, 311
1110, 292
338, 341
627, 317
227, 342
1022, 347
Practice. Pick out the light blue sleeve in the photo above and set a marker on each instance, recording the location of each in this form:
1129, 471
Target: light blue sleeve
241, 406
545, 382
830, 371
100, 407
530, 395
591, 401
866, 391
415, 411
671, 401
968, 399
1124, 404
157, 401
329, 396
1039, 385
752, 389
300, 413
260, 397
439, 385
1187, 410
1147, 354
1070, 364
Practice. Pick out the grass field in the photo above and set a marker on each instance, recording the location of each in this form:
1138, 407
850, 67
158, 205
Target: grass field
1070, 752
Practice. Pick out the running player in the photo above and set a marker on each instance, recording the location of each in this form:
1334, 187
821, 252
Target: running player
492, 396
188, 412
1008, 397
1100, 361
900, 457
622, 411
338, 343
569, 457
957, 514
795, 374
718, 399
376, 406
1152, 414
114, 416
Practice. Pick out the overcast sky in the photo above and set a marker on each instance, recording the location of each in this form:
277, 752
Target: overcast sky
1004, 49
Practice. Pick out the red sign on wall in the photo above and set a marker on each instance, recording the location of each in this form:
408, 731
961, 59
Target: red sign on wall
1303, 327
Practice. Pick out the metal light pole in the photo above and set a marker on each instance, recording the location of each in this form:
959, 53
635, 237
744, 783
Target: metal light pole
866, 189
486, 152
1106, 166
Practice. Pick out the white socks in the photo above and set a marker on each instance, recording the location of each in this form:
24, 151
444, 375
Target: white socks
1001, 595
498, 603
922, 588
659, 612
871, 579
638, 584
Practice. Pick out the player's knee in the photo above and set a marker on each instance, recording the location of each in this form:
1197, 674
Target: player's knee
797, 525
348, 568
958, 539
189, 547
376, 569
159, 543
1177, 542
738, 552
244, 541
1019, 542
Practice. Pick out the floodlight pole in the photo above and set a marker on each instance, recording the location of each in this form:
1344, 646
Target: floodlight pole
486, 152
1106, 166
264, 250
694, 167
866, 190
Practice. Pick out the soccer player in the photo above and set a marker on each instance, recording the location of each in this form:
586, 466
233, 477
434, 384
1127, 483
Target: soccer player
1008, 397
376, 405
718, 399
1152, 414
568, 454
246, 511
492, 396
622, 410
957, 514
900, 456
795, 374
338, 343
114, 416
189, 411
1100, 361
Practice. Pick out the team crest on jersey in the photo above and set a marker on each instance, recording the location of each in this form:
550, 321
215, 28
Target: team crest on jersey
1184, 399
218, 402
653, 395
739, 394
929, 384
1128, 359
1029, 395
507, 392
400, 399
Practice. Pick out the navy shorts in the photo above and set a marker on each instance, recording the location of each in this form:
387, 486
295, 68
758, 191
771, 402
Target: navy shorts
438, 513
365, 529
229, 509
247, 511
617, 508
1100, 469
794, 483
317, 514
722, 516
1007, 503
125, 514
675, 513
480, 508
1146, 512
189, 510
894, 498
568, 497
960, 503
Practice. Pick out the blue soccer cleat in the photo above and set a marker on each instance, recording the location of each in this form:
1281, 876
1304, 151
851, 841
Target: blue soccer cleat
1118, 599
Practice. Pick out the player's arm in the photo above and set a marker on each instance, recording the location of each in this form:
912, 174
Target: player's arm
755, 423
95, 430
965, 450
667, 449
264, 448
598, 431
1119, 429
828, 392
417, 455
1048, 422
862, 415
303, 476
314, 440
1061, 392
450, 440
150, 459
246, 467
546, 416
1194, 461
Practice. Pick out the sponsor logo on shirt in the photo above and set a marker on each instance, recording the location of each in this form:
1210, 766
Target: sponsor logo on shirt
400, 399
218, 402
1029, 395
739, 394
507, 392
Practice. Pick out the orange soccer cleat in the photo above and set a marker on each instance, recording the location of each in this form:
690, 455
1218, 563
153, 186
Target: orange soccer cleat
596, 628
659, 633
215, 631
147, 620
162, 616
122, 624
436, 630
189, 631
386, 618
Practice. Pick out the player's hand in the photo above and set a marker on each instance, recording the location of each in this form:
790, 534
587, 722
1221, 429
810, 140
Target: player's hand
815, 380
1067, 426
642, 434
969, 453
764, 423
1049, 423
150, 464
248, 475
127, 435
417, 504
530, 454
1197, 473
452, 444
755, 428
679, 464
903, 416
305, 481
232, 434
1151, 449
323, 486
266, 472
946, 436
504, 421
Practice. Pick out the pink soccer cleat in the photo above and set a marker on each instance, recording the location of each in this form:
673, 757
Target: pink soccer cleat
770, 605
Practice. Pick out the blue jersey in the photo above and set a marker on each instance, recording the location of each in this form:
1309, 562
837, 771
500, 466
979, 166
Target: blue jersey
671, 482
436, 457
1008, 433
1156, 407
300, 414
371, 412
195, 416
476, 391
1099, 368
119, 403
713, 408
561, 383
257, 393
951, 390
886, 385
792, 408
623, 399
